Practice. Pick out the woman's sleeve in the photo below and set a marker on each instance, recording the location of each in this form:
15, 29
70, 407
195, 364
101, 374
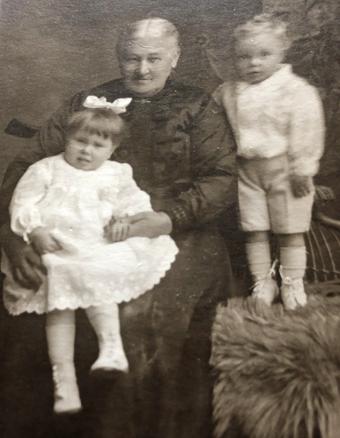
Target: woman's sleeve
131, 199
48, 141
307, 132
30, 190
213, 166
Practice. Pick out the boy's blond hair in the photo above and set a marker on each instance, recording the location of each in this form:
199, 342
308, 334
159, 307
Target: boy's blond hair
263, 23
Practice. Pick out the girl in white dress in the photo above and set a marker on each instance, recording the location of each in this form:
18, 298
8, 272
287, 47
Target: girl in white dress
74, 208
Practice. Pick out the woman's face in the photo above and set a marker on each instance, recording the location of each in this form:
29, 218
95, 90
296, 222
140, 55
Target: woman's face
146, 63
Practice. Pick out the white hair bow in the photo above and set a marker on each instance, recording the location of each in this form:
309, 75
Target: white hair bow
118, 105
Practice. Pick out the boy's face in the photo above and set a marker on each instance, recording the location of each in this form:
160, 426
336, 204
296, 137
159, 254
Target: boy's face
88, 151
258, 57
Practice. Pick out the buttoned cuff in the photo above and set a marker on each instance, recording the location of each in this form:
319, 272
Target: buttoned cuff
181, 219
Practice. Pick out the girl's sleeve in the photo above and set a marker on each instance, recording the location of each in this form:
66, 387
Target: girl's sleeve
307, 132
131, 199
30, 190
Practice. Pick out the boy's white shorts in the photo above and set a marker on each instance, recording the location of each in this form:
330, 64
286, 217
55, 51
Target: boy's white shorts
266, 200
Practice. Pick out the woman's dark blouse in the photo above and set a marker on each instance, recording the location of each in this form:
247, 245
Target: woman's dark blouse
179, 145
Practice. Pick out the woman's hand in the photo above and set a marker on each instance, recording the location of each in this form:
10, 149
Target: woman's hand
301, 185
25, 261
149, 224
43, 240
118, 229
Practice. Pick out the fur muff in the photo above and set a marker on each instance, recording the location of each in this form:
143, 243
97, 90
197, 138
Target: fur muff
276, 372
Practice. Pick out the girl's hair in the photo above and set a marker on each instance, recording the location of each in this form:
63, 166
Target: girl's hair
100, 121
263, 23
160, 26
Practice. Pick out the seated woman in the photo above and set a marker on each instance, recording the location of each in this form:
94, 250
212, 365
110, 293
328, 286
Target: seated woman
182, 154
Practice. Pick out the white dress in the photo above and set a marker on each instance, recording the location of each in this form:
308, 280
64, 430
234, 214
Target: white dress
89, 270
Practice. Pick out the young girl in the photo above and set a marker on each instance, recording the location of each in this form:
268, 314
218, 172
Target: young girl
278, 123
73, 208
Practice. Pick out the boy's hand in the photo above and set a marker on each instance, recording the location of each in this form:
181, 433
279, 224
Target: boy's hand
300, 185
119, 230
43, 240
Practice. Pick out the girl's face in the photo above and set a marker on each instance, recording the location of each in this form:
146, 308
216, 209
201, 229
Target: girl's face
88, 151
258, 57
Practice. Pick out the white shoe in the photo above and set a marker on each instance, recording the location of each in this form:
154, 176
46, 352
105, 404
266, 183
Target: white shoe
111, 358
266, 289
293, 293
66, 392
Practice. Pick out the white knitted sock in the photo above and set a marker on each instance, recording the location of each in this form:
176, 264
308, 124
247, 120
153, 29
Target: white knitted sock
259, 259
293, 260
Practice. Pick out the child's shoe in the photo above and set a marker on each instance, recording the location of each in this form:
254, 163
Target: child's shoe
111, 357
266, 289
293, 293
66, 392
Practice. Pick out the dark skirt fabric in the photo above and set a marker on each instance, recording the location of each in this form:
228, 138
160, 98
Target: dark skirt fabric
166, 334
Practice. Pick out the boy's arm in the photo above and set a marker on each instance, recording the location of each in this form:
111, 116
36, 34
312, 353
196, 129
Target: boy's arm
307, 131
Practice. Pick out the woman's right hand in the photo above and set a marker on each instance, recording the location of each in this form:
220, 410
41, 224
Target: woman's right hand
43, 240
25, 261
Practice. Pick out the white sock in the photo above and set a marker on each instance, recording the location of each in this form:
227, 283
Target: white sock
259, 259
293, 261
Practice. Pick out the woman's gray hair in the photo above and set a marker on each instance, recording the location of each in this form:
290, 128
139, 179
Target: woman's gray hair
159, 26
263, 23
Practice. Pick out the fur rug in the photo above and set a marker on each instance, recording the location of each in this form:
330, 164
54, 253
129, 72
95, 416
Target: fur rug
277, 373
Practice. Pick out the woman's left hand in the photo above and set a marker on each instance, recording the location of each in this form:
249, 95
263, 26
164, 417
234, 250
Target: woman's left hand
120, 230
149, 224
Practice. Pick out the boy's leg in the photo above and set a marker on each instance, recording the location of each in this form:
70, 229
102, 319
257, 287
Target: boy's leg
290, 218
254, 216
293, 260
259, 262
105, 321
60, 334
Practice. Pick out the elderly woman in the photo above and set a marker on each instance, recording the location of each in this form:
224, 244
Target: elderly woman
182, 154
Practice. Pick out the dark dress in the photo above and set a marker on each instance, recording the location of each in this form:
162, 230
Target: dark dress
182, 152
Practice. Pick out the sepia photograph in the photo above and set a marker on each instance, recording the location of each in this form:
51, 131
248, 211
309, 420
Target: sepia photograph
170, 219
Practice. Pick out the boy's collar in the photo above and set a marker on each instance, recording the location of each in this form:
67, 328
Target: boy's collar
278, 78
